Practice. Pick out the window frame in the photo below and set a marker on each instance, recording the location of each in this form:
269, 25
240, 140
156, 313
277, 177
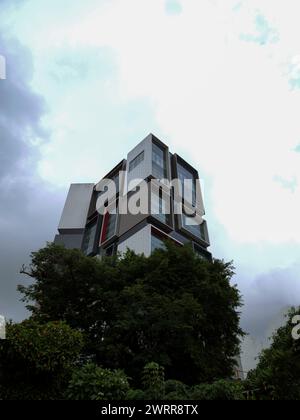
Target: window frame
164, 168
94, 244
135, 162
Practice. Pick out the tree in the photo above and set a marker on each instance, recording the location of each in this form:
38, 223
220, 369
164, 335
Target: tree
36, 360
171, 308
91, 382
154, 381
277, 375
219, 391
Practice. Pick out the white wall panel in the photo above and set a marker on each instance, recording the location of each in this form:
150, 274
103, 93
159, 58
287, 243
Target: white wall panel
76, 208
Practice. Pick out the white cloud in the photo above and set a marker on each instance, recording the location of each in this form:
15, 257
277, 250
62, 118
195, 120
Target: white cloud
226, 102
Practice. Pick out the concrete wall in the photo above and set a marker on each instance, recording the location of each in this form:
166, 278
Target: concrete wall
76, 208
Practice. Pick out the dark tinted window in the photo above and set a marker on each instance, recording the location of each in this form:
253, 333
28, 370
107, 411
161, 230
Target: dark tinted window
159, 164
160, 208
89, 239
156, 243
136, 161
191, 226
189, 190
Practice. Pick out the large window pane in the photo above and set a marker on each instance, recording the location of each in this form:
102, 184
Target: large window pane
200, 252
156, 243
188, 190
160, 208
159, 165
89, 239
110, 251
116, 180
192, 226
111, 225
136, 161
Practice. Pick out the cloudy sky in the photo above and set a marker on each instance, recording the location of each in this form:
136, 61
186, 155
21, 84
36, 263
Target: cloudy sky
218, 80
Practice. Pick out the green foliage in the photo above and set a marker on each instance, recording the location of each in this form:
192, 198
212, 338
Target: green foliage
49, 347
136, 394
156, 388
176, 390
277, 376
171, 308
220, 390
153, 381
36, 360
94, 383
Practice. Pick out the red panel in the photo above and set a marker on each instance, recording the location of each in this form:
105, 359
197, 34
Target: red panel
104, 228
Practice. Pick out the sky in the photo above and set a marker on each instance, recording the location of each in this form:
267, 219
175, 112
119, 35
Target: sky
218, 81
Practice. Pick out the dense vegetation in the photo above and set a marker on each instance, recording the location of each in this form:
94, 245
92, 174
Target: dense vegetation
163, 327
277, 375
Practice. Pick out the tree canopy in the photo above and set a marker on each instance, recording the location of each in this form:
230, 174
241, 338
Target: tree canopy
171, 308
277, 375
36, 360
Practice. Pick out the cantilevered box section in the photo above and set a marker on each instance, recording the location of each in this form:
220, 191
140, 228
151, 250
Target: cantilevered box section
110, 231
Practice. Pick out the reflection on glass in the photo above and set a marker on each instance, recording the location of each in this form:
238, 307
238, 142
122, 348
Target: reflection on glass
159, 164
188, 188
89, 239
192, 226
160, 208
156, 243
111, 225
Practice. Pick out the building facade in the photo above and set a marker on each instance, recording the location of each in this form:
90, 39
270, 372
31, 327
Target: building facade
106, 229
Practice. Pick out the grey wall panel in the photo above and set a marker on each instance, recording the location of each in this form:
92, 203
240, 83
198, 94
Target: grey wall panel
140, 242
144, 169
76, 208
69, 241
128, 221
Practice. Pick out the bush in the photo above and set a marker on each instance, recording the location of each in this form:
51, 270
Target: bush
221, 390
36, 360
154, 381
91, 382
45, 348
176, 390
136, 394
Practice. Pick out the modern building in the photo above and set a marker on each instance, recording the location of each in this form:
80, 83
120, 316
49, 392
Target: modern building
106, 231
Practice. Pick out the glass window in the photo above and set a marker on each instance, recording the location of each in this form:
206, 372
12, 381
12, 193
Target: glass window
111, 225
189, 190
136, 161
116, 180
199, 252
157, 243
159, 164
160, 208
110, 251
89, 239
192, 226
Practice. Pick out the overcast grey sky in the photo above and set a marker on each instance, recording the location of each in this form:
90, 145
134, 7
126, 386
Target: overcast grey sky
219, 81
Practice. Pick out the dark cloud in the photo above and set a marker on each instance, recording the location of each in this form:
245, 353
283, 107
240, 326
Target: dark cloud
20, 110
269, 297
267, 293
267, 300
29, 209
